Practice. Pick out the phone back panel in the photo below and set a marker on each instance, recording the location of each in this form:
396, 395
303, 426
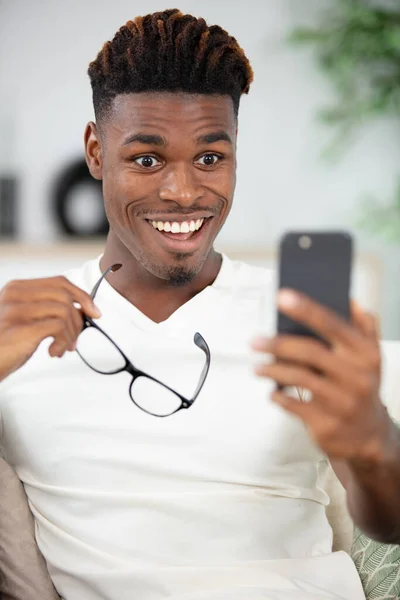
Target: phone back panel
320, 269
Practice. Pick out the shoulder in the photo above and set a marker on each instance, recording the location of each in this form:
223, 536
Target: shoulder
86, 275
242, 275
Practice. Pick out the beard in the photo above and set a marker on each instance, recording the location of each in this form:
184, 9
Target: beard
174, 275
179, 277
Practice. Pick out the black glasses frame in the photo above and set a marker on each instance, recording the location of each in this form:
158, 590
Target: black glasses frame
134, 372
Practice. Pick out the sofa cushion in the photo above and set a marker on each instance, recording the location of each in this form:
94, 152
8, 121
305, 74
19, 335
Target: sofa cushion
23, 572
378, 566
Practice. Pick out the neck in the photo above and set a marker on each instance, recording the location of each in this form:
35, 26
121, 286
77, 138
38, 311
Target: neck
152, 295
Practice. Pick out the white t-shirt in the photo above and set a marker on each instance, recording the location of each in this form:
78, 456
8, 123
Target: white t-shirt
221, 501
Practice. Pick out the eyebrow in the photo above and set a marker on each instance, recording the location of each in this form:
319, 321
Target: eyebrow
157, 140
147, 139
216, 136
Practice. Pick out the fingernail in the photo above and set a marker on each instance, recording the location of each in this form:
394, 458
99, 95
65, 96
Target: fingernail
259, 368
287, 299
260, 343
97, 312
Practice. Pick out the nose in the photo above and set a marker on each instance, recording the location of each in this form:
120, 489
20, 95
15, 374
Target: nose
181, 186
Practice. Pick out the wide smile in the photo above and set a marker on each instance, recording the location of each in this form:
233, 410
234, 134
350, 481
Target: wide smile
180, 236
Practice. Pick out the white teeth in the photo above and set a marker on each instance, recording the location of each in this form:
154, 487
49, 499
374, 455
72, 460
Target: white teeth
185, 228
175, 227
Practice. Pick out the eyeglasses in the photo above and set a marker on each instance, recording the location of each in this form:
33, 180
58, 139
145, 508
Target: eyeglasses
102, 355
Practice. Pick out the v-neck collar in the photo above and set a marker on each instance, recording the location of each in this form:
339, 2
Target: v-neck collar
172, 323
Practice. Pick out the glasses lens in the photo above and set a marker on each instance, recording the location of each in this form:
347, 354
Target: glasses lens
99, 352
154, 397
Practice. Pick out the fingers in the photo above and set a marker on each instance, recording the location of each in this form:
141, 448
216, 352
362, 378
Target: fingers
343, 376
33, 310
325, 393
59, 348
45, 307
365, 322
323, 427
84, 299
69, 317
340, 364
31, 335
49, 289
301, 409
318, 318
77, 322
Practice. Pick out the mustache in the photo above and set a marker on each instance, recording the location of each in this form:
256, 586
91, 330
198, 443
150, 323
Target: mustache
148, 213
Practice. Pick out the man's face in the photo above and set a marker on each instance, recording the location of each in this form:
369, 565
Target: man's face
168, 164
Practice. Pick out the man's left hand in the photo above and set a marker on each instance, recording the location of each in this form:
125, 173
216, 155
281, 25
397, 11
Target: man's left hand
344, 415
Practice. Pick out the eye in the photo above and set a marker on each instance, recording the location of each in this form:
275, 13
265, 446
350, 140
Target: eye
147, 161
209, 160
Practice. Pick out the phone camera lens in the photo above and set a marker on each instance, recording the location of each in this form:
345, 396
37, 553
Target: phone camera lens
305, 242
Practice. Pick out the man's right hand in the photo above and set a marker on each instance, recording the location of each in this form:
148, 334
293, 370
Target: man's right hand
35, 309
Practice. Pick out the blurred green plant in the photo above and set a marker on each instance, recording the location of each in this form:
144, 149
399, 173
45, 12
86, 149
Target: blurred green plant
382, 219
358, 47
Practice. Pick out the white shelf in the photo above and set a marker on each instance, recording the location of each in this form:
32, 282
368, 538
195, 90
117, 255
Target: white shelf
23, 261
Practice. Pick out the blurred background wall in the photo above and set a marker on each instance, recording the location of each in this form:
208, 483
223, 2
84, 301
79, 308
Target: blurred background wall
45, 102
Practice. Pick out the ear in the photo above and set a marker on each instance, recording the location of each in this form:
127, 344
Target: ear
236, 137
93, 150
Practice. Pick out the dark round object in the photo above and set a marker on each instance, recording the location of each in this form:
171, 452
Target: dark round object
72, 178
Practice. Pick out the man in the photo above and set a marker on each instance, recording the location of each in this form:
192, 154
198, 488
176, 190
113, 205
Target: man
222, 498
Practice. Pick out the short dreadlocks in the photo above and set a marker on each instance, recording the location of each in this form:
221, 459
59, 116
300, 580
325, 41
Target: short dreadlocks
169, 52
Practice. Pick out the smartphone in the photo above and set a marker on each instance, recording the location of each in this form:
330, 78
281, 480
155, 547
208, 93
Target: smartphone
318, 264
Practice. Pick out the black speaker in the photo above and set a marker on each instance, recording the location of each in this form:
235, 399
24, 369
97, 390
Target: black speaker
8, 207
71, 219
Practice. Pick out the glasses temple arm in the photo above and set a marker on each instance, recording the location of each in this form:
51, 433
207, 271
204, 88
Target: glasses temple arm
202, 344
111, 269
